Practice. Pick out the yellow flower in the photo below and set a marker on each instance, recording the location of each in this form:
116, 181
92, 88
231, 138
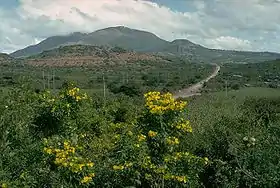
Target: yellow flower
130, 133
45, 141
72, 150
176, 141
206, 160
148, 176
64, 164
78, 98
4, 185
81, 166
141, 137
160, 103
86, 179
128, 164
48, 150
90, 164
181, 179
152, 133
116, 167
172, 141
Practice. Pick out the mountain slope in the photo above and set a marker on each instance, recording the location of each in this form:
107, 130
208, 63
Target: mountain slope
127, 38
142, 41
49, 43
87, 55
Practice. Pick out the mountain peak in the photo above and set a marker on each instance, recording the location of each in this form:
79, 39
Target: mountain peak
142, 41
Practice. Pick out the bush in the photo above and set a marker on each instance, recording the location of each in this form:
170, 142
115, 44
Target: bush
76, 144
243, 149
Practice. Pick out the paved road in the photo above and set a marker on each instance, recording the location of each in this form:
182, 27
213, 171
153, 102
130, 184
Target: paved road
195, 89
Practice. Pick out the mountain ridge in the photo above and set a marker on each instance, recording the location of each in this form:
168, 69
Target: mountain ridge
144, 41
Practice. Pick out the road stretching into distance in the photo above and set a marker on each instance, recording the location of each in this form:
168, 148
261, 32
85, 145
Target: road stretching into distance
195, 89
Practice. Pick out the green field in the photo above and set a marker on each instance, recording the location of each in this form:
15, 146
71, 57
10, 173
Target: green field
235, 76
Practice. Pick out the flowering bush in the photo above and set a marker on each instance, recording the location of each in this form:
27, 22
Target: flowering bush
54, 109
143, 152
67, 157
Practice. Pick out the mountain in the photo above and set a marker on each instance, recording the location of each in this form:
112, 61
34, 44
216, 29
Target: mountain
142, 41
197, 52
124, 37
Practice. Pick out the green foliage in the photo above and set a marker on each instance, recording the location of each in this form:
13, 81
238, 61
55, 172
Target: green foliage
242, 144
264, 74
65, 140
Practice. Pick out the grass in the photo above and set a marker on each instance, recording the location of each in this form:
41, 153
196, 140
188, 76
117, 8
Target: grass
206, 109
235, 76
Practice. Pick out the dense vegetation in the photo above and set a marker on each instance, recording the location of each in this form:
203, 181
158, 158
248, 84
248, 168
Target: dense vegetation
139, 76
54, 134
72, 139
235, 76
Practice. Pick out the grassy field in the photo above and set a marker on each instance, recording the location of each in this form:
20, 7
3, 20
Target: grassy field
235, 76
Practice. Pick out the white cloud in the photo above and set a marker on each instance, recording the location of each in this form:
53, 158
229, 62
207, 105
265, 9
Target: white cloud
232, 24
227, 42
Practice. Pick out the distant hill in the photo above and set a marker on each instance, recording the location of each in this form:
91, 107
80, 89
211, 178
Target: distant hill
86, 55
5, 58
142, 41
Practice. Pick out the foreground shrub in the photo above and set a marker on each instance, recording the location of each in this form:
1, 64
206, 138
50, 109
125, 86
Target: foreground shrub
244, 150
143, 152
54, 109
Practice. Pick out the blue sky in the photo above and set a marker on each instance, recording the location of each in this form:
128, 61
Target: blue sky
224, 24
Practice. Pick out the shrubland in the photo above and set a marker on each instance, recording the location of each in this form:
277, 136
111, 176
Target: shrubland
69, 138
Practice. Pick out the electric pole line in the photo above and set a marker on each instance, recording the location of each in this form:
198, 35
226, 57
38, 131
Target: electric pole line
48, 80
104, 88
53, 80
226, 88
44, 85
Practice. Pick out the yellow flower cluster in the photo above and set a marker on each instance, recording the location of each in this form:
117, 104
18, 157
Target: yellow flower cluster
158, 103
185, 156
122, 167
87, 178
141, 138
130, 133
75, 93
152, 133
161, 170
67, 158
172, 140
147, 163
4, 185
184, 125
182, 179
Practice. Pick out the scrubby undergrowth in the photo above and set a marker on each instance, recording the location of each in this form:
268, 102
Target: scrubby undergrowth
70, 139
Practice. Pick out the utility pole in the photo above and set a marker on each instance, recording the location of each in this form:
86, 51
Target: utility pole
104, 88
126, 78
44, 80
226, 88
53, 80
48, 80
